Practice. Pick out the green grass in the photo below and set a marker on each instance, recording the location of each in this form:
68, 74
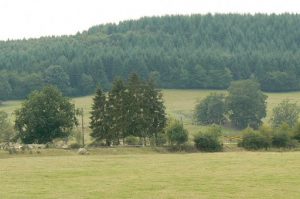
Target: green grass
152, 173
199, 175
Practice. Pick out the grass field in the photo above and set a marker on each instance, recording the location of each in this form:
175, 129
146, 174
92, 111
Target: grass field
152, 175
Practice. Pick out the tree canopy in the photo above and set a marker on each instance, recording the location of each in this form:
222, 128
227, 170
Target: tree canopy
285, 112
211, 110
197, 51
44, 116
134, 108
246, 104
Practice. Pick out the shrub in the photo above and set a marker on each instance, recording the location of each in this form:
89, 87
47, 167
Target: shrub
176, 133
281, 140
253, 140
282, 137
209, 141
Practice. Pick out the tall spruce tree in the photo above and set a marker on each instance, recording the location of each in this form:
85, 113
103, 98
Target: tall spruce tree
117, 108
134, 107
99, 118
155, 115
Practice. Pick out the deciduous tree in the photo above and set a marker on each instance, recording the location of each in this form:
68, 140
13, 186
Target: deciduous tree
44, 116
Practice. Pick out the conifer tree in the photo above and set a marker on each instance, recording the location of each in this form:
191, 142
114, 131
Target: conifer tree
117, 109
99, 118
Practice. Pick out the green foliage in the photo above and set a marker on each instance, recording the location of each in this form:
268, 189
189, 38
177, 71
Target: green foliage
209, 140
132, 140
159, 139
254, 140
282, 137
7, 132
246, 104
99, 121
55, 75
286, 112
211, 110
135, 109
296, 132
44, 116
176, 133
185, 52
5, 89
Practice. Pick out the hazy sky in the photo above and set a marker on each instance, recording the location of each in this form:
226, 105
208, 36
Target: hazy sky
34, 18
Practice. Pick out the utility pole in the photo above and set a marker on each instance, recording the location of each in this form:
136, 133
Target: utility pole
82, 127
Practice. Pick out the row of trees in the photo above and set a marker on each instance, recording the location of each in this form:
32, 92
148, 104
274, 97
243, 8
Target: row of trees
244, 106
134, 108
198, 51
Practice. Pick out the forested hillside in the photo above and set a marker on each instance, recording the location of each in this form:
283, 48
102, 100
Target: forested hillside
198, 51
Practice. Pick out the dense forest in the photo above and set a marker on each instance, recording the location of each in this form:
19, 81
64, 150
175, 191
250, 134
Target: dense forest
197, 51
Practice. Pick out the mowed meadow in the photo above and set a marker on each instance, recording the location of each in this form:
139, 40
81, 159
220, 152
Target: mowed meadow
152, 173
266, 175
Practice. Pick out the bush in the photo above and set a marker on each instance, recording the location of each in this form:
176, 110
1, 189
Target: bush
253, 140
176, 133
209, 141
282, 137
281, 140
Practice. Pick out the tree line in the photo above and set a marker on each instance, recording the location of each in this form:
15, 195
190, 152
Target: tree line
132, 108
197, 51
133, 112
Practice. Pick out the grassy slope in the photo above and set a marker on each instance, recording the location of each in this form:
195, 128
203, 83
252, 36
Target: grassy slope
218, 175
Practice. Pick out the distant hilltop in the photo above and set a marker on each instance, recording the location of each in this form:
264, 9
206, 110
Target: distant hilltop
197, 51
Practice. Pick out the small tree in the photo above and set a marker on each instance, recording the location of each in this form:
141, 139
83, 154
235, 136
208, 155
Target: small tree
211, 110
286, 112
246, 104
44, 116
176, 133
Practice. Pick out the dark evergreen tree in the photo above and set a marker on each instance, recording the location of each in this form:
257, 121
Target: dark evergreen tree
100, 124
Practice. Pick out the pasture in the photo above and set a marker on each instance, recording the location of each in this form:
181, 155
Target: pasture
144, 173
152, 173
